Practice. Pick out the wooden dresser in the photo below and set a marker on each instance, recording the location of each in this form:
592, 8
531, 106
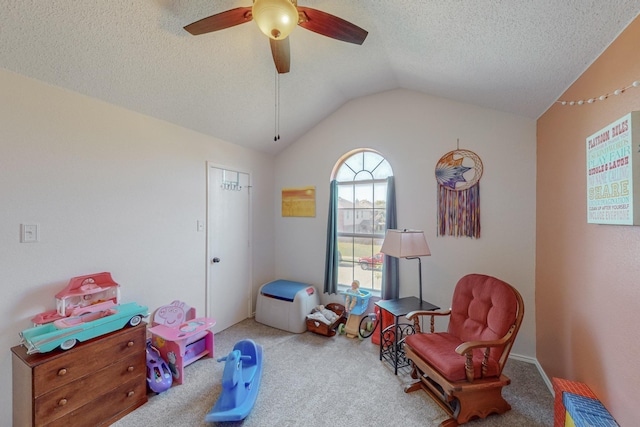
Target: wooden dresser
94, 383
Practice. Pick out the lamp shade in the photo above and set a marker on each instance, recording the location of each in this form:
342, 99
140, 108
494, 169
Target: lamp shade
405, 243
275, 18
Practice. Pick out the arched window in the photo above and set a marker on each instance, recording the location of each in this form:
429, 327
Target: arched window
358, 219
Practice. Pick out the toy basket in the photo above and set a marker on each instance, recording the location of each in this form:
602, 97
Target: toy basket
362, 301
320, 328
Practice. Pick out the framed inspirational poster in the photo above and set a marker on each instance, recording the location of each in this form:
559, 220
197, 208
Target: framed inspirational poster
613, 173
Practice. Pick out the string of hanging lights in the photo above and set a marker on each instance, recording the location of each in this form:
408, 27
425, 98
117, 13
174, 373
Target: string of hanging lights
601, 97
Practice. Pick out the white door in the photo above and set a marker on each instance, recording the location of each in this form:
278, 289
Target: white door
228, 247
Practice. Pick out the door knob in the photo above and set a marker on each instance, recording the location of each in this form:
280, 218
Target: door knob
215, 260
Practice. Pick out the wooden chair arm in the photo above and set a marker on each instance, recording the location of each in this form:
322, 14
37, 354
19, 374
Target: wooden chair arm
413, 314
465, 349
416, 315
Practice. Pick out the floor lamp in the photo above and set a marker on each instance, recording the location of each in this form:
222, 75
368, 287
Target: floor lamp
409, 244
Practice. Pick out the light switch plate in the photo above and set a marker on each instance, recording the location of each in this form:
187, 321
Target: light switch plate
29, 233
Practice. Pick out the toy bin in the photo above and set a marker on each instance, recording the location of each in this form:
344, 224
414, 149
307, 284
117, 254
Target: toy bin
584, 411
321, 328
284, 304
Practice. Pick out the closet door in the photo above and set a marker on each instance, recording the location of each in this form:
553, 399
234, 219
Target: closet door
228, 247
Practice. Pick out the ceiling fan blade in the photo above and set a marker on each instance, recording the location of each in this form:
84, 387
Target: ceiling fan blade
330, 26
281, 54
220, 21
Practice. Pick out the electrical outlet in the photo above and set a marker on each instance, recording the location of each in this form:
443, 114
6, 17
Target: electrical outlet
29, 233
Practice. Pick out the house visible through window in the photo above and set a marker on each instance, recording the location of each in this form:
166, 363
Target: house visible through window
361, 180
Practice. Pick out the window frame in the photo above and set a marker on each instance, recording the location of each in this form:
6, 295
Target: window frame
350, 264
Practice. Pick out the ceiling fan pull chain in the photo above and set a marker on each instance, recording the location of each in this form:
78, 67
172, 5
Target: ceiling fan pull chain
277, 108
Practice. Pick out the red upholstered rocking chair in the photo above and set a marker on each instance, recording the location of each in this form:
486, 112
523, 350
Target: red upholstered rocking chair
461, 369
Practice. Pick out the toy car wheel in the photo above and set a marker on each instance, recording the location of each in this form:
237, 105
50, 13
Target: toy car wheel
364, 265
341, 329
135, 320
68, 344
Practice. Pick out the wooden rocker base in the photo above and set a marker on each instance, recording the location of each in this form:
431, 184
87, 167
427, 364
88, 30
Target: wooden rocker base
464, 402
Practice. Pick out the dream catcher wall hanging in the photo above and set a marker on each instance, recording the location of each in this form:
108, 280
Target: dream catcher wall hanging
458, 174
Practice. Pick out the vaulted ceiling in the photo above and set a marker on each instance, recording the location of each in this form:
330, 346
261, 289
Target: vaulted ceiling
513, 56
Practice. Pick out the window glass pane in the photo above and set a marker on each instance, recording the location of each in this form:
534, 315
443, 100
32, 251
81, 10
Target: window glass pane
355, 162
372, 160
368, 263
382, 171
363, 193
345, 215
345, 247
345, 258
380, 220
380, 193
363, 176
380, 206
345, 192
377, 272
345, 174
364, 208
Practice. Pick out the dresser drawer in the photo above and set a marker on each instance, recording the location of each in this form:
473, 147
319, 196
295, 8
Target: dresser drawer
110, 407
74, 363
65, 399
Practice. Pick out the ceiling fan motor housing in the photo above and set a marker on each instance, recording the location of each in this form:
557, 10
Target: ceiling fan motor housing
275, 18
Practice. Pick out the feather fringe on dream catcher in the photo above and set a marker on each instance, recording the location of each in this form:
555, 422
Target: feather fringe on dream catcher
458, 174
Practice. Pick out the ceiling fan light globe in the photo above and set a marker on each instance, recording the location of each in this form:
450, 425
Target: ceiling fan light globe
275, 18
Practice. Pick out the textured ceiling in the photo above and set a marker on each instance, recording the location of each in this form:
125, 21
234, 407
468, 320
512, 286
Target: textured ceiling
511, 55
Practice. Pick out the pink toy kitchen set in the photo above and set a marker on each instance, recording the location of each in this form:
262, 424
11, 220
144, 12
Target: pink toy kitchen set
180, 336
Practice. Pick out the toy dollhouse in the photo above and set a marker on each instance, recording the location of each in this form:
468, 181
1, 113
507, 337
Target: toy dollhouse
93, 292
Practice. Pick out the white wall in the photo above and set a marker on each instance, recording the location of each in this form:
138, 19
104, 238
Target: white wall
112, 191
117, 191
413, 131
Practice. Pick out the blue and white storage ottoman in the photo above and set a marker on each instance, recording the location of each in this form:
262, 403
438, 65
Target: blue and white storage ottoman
284, 304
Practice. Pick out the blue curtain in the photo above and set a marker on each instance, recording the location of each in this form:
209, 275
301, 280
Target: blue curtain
390, 276
331, 262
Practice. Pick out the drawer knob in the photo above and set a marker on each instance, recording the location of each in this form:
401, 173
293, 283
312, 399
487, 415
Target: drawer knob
130, 369
62, 372
130, 344
130, 394
62, 402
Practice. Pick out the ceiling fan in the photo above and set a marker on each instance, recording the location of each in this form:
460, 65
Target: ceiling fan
276, 19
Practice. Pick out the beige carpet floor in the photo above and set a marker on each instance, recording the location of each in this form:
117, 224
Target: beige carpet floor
313, 380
